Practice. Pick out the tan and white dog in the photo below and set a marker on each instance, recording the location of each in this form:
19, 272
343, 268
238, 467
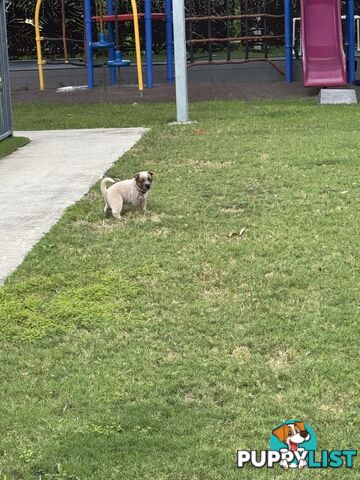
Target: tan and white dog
133, 191
293, 435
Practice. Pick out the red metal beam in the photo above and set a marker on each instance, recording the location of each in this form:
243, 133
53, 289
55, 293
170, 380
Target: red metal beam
126, 17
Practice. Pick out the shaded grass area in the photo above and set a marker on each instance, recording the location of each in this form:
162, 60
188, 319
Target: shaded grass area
63, 116
156, 347
10, 144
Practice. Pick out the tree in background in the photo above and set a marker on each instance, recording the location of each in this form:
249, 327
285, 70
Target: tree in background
21, 35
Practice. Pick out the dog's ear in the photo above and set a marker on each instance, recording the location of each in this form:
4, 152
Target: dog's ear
301, 426
151, 173
281, 433
137, 176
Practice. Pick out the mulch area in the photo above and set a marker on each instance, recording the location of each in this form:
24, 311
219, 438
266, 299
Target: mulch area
166, 93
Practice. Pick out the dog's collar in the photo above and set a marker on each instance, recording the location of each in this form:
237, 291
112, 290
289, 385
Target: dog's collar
139, 189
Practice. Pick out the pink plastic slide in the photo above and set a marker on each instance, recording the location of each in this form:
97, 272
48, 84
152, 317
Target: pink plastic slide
324, 62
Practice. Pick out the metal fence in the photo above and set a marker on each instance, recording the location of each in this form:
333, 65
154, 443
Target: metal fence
5, 98
21, 36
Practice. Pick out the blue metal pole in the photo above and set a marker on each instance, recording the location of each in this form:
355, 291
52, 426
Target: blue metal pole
110, 11
148, 45
350, 40
169, 41
288, 41
88, 46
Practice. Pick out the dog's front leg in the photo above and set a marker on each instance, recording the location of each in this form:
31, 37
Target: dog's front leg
142, 204
116, 208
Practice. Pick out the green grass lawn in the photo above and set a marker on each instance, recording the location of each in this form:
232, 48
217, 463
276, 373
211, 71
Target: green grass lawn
11, 144
155, 347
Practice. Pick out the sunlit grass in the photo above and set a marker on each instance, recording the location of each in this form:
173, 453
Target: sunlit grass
155, 347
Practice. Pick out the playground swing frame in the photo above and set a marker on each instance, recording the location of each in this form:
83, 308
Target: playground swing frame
148, 17
118, 62
115, 58
109, 43
39, 38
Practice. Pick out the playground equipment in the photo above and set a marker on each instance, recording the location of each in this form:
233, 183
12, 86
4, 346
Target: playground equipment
118, 61
102, 42
39, 38
247, 38
38, 44
137, 43
112, 19
254, 26
108, 38
115, 55
324, 60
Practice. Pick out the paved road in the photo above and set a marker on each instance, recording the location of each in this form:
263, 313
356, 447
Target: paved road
24, 75
39, 181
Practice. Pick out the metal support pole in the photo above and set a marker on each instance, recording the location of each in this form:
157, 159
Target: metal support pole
350, 40
182, 102
137, 46
228, 46
88, 46
191, 26
110, 11
209, 31
169, 41
288, 41
265, 31
148, 45
38, 45
247, 48
63, 28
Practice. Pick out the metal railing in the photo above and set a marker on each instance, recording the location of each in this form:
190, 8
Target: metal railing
343, 17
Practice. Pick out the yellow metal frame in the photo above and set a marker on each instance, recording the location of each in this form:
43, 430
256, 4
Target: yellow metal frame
38, 39
137, 45
38, 45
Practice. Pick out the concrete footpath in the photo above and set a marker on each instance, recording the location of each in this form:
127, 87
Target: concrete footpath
39, 181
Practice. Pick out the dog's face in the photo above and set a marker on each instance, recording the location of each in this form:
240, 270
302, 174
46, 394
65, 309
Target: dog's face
292, 434
144, 180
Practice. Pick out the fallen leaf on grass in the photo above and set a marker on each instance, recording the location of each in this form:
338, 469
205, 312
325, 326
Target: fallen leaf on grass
189, 397
200, 131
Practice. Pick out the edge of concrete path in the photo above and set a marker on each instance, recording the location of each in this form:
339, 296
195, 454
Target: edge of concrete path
17, 243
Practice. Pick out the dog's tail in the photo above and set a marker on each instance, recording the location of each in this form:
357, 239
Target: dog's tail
103, 183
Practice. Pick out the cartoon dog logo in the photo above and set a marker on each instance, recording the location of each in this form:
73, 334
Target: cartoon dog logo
292, 435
